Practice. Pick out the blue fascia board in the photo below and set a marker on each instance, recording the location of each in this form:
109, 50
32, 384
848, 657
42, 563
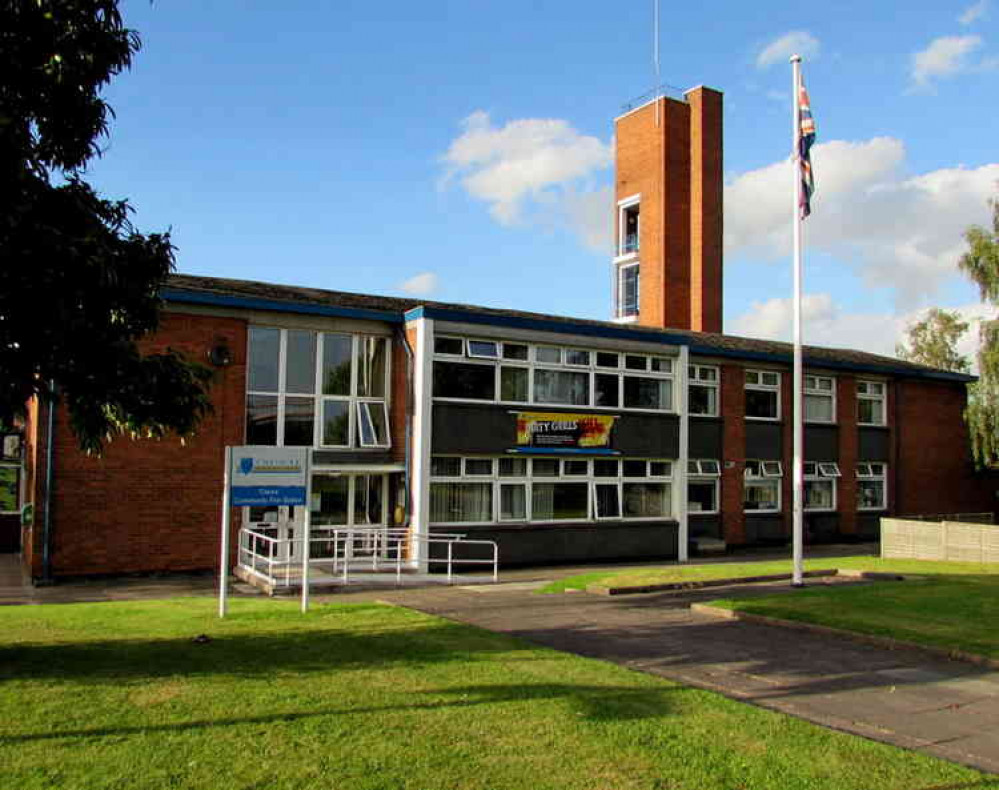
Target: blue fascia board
302, 308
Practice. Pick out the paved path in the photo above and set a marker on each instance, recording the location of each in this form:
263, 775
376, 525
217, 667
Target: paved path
946, 708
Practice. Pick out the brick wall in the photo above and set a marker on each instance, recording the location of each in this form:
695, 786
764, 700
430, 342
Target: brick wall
150, 505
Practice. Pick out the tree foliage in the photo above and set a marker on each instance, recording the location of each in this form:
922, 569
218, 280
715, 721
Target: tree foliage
981, 264
933, 341
79, 284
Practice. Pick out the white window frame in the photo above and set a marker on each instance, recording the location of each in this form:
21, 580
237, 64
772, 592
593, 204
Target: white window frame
873, 471
811, 388
619, 307
622, 207
352, 399
759, 386
694, 372
864, 394
821, 471
701, 471
532, 364
619, 481
757, 474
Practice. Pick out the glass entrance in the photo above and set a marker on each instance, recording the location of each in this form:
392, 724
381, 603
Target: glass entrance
283, 524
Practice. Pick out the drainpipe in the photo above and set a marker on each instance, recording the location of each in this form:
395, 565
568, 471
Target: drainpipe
49, 467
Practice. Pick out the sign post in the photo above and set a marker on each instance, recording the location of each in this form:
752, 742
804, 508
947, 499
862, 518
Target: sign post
264, 477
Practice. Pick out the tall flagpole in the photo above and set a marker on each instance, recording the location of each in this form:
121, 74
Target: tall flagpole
796, 533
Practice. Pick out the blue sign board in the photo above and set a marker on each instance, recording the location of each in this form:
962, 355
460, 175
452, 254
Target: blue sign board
267, 476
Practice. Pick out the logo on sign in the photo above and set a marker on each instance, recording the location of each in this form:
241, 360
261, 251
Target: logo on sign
246, 465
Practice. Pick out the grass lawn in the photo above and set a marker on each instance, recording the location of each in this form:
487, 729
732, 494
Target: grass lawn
669, 574
948, 610
116, 695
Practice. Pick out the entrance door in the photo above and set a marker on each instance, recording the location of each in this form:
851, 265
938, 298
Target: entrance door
284, 524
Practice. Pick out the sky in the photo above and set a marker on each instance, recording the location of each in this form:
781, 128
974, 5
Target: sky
463, 151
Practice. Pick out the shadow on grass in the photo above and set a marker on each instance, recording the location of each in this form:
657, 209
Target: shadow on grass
252, 655
594, 703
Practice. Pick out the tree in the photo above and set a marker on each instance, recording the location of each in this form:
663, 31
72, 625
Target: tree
79, 284
981, 264
933, 341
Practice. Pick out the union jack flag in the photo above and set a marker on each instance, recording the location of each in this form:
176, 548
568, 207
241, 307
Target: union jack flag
806, 137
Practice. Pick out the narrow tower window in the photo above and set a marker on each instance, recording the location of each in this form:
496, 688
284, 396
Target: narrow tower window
627, 290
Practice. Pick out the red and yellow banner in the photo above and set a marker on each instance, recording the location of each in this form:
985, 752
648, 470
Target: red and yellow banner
551, 429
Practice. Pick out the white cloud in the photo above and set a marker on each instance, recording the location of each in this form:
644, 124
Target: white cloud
422, 284
529, 162
944, 57
896, 231
973, 12
825, 324
797, 42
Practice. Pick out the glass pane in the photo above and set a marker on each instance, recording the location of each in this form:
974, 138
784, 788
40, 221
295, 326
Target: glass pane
871, 494
264, 515
367, 500
760, 403
703, 400
337, 355
300, 362
478, 466
514, 351
761, 496
483, 348
770, 379
659, 468
9, 489
449, 345
633, 362
607, 360
544, 467
604, 468
299, 419
576, 357
629, 290
376, 495
461, 502
635, 469
336, 423
818, 495
662, 364
372, 424
561, 386
261, 419
371, 367
331, 493
513, 501
458, 380
513, 467
548, 354
702, 496
265, 345
559, 501
513, 384
646, 500
606, 389
577, 468
643, 393
445, 466
608, 501
818, 408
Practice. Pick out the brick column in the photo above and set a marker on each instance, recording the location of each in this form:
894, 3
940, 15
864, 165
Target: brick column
732, 408
846, 486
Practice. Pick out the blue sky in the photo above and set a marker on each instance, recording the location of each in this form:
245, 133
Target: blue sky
357, 146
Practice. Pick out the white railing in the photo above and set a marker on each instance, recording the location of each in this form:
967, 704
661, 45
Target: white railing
337, 553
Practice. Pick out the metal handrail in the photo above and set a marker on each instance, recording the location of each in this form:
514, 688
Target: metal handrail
663, 89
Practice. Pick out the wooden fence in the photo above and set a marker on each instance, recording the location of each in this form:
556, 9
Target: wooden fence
959, 541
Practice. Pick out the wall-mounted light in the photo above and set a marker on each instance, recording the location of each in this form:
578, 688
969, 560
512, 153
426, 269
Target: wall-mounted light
220, 355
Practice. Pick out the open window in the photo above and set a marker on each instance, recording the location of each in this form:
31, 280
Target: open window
372, 422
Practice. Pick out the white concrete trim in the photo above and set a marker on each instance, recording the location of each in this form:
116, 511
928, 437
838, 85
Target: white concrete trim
680, 497
423, 358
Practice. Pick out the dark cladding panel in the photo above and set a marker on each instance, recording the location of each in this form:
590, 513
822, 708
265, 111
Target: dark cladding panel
705, 437
821, 443
335, 457
873, 444
765, 529
704, 526
763, 440
473, 429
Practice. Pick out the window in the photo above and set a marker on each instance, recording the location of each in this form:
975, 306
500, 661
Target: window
628, 293
820, 399
872, 492
762, 395
820, 485
347, 500
517, 373
702, 390
629, 226
309, 389
10, 488
702, 485
761, 487
488, 490
871, 403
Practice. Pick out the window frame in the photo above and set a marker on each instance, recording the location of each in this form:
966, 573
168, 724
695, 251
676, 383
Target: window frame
866, 395
820, 472
872, 476
622, 207
755, 475
759, 386
623, 269
816, 392
694, 380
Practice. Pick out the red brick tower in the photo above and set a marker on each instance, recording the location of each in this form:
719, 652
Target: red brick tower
668, 214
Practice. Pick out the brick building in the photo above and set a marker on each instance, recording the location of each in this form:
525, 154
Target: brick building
561, 439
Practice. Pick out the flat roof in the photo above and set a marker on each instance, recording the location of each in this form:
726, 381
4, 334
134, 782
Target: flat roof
253, 295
